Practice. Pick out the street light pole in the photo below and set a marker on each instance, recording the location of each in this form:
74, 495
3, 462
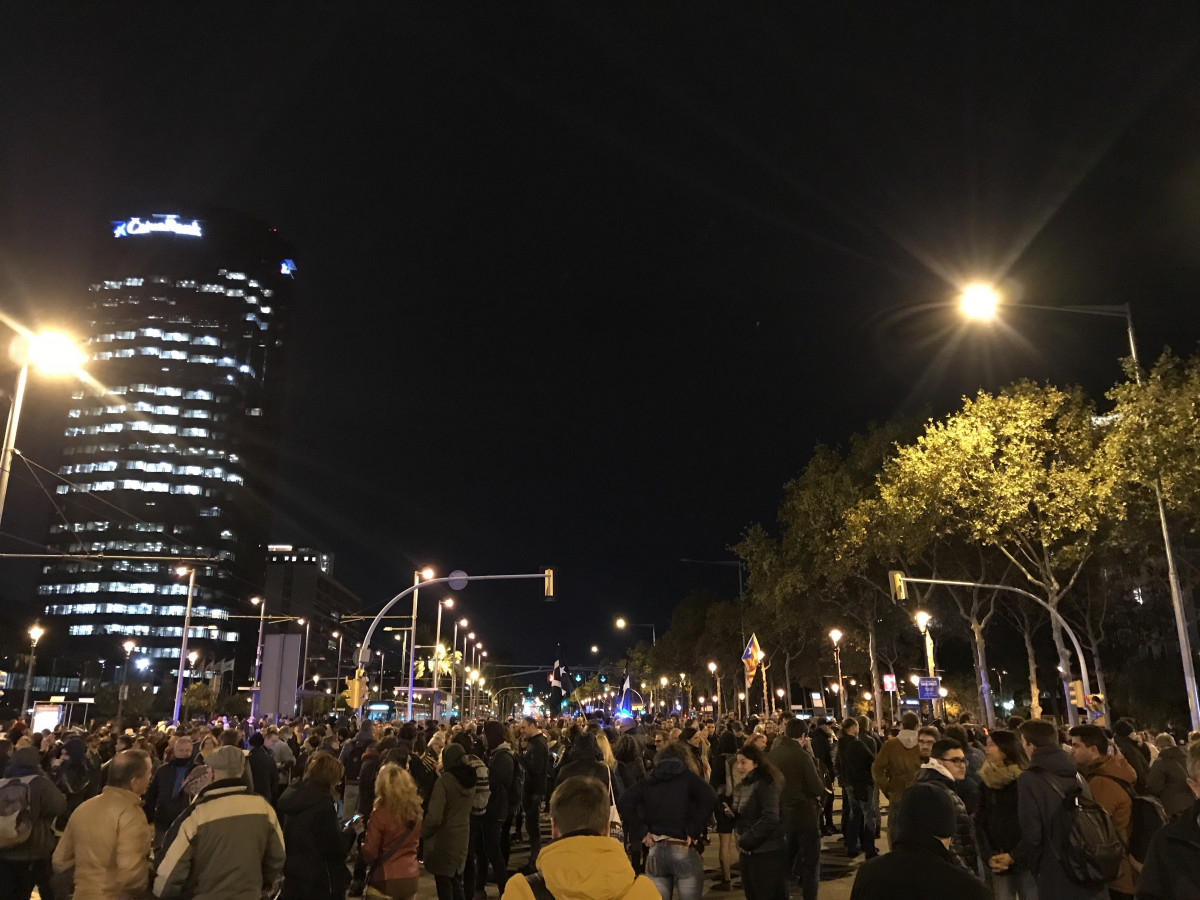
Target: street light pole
448, 603
836, 637
337, 679
412, 644
261, 603
712, 667
923, 620
35, 634
124, 689
183, 644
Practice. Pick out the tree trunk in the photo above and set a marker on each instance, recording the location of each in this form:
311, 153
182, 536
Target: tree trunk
1064, 664
875, 680
1035, 705
1094, 646
787, 678
981, 672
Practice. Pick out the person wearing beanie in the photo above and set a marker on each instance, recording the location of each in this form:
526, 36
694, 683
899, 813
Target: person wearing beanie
27, 864
920, 860
227, 844
446, 828
492, 825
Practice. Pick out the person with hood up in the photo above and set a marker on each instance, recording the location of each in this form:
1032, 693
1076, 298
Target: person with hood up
1168, 778
582, 862
668, 811
998, 821
77, 776
446, 829
896, 764
1138, 759
585, 758
28, 863
920, 864
315, 867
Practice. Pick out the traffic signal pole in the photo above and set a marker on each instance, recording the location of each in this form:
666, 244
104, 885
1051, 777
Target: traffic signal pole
364, 653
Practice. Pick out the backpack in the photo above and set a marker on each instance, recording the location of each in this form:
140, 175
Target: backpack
354, 761
16, 811
1146, 816
483, 790
1087, 846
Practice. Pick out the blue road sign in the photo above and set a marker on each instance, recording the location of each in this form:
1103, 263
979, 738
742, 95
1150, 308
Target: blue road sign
929, 689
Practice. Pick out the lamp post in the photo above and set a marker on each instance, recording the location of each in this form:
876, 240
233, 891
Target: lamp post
183, 644
261, 603
980, 301
742, 700
836, 637
124, 689
716, 673
337, 679
470, 636
621, 623
923, 619
453, 670
426, 574
51, 353
448, 603
35, 634
307, 623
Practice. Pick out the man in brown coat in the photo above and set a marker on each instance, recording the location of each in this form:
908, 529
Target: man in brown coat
896, 764
1110, 778
107, 839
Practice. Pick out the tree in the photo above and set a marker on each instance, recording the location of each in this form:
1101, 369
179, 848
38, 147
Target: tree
1020, 471
198, 697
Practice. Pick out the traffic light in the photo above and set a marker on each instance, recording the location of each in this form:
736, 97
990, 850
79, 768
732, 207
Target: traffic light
549, 573
1078, 700
897, 586
356, 689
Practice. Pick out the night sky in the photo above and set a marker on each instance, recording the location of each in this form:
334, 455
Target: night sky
583, 284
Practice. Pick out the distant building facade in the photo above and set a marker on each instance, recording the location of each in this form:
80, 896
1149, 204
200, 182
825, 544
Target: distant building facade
171, 456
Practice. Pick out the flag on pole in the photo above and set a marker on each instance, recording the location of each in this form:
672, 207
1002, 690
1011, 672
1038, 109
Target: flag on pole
750, 659
556, 687
626, 702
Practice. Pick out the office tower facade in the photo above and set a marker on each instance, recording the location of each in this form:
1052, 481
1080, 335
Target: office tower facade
169, 459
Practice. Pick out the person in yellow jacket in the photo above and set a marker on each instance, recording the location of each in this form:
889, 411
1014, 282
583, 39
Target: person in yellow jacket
582, 862
107, 840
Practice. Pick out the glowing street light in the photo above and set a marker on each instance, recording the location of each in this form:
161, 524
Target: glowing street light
836, 636
35, 634
190, 572
426, 574
979, 301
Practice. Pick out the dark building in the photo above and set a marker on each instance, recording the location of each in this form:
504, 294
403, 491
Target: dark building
171, 453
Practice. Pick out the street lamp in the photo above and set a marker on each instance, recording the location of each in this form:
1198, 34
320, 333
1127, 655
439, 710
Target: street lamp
52, 353
982, 310
337, 679
35, 634
438, 651
183, 644
426, 574
621, 623
712, 668
307, 623
836, 637
261, 603
124, 689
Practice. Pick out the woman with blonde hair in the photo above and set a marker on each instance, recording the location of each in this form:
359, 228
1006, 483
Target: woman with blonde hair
393, 832
315, 867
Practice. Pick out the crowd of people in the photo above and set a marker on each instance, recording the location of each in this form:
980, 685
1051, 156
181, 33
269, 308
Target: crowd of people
325, 810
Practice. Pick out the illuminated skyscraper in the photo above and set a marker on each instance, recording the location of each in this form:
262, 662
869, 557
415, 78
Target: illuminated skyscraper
176, 457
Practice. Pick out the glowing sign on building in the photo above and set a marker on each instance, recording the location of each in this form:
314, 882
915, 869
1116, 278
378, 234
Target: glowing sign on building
169, 224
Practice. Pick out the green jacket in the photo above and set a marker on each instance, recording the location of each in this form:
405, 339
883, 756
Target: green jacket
446, 830
803, 787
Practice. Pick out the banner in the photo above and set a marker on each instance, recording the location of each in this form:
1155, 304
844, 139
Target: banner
750, 659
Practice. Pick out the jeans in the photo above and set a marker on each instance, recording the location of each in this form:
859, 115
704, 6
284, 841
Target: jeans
676, 867
860, 828
485, 836
449, 887
764, 875
803, 834
1015, 884
533, 809
18, 877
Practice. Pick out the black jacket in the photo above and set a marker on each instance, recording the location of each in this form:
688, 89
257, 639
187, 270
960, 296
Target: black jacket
1173, 861
371, 761
1038, 808
537, 766
264, 772
963, 844
756, 822
917, 868
315, 868
164, 799
822, 749
672, 800
803, 788
1135, 757
999, 828
501, 768
854, 765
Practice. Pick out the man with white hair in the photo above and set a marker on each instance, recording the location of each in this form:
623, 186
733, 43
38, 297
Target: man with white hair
227, 816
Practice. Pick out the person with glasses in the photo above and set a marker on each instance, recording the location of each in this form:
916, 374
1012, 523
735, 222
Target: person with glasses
947, 768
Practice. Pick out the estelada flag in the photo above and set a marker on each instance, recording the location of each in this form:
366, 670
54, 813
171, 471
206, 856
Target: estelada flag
750, 659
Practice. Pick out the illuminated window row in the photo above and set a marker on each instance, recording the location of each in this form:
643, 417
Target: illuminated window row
164, 449
155, 631
116, 587
133, 484
132, 609
152, 427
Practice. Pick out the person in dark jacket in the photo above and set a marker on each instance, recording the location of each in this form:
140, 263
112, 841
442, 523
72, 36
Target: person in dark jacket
446, 827
920, 866
585, 758
757, 827
854, 761
822, 751
1132, 751
28, 864
77, 775
536, 760
263, 770
165, 798
1168, 777
670, 808
947, 769
1038, 809
998, 824
315, 868
800, 805
490, 826
1172, 868
372, 759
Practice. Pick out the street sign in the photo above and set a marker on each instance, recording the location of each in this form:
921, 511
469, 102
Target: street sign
929, 689
889, 681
